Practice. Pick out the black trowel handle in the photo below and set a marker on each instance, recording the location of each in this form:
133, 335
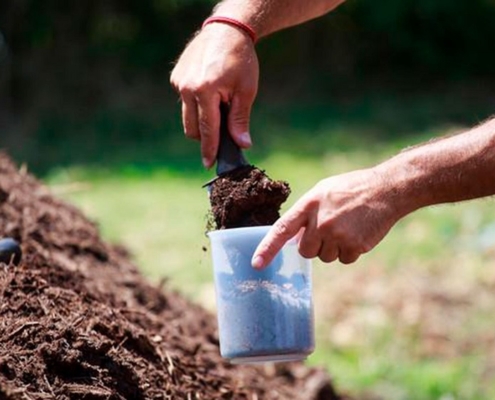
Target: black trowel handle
229, 155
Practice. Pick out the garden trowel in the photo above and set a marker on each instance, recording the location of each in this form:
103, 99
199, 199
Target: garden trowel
229, 156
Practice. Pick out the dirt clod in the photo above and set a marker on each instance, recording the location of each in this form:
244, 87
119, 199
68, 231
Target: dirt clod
247, 197
78, 321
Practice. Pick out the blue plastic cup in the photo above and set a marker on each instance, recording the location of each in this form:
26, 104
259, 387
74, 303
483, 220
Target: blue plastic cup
267, 315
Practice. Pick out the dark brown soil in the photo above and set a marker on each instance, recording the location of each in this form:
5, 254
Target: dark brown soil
78, 321
247, 197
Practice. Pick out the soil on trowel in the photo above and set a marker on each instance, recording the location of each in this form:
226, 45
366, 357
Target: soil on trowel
78, 320
246, 197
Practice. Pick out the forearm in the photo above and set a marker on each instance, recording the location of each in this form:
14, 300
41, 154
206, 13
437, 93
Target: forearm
267, 16
450, 169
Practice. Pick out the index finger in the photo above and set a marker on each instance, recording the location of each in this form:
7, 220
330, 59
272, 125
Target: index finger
209, 126
283, 230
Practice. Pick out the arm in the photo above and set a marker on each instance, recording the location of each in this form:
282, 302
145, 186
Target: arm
348, 215
220, 64
268, 16
451, 169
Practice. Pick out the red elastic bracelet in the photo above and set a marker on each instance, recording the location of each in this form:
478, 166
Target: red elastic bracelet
231, 21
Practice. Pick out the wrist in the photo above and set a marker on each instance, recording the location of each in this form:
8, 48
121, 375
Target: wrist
400, 187
253, 14
233, 22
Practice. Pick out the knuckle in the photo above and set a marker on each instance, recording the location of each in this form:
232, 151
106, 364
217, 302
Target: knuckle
240, 118
282, 228
205, 128
307, 253
327, 257
202, 89
366, 247
311, 203
206, 85
192, 88
309, 247
348, 257
360, 249
270, 250
186, 89
356, 245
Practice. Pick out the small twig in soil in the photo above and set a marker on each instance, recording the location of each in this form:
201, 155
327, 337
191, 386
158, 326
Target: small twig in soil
49, 386
86, 390
77, 321
21, 328
43, 307
119, 346
170, 363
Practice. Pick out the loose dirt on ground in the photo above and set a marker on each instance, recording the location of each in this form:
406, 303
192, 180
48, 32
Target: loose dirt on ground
78, 320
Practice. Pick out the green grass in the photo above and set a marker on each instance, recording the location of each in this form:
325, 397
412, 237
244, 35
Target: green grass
369, 374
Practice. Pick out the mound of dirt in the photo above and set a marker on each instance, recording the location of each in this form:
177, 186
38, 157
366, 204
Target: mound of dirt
78, 321
246, 197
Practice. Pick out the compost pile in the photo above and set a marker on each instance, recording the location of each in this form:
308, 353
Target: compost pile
245, 197
78, 321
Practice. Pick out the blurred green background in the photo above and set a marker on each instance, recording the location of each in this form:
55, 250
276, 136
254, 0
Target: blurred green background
87, 82
85, 103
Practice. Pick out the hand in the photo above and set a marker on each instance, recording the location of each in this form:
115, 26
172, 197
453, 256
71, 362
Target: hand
341, 217
218, 65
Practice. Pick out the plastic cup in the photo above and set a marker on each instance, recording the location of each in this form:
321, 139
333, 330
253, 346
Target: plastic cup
267, 315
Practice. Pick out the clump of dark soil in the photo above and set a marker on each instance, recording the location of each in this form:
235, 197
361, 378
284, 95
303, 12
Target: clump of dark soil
247, 197
78, 321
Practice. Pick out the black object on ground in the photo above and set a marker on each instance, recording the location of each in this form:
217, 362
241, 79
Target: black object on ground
10, 251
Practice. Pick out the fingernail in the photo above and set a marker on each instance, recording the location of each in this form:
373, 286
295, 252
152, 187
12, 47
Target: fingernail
257, 262
245, 139
206, 162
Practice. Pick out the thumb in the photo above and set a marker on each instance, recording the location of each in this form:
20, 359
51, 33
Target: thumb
240, 112
283, 230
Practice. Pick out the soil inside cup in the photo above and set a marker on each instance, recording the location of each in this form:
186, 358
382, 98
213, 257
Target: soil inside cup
246, 197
